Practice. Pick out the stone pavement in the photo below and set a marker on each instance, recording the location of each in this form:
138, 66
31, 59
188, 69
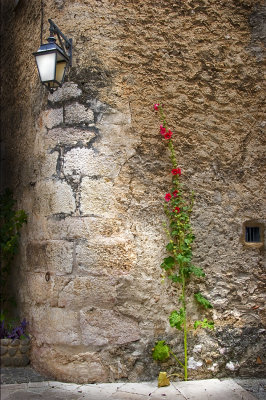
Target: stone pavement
211, 389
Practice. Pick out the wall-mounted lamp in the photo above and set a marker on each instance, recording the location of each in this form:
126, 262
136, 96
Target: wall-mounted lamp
53, 60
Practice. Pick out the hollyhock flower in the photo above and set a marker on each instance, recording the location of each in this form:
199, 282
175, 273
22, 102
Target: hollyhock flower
156, 106
175, 193
168, 135
162, 130
167, 197
176, 209
176, 171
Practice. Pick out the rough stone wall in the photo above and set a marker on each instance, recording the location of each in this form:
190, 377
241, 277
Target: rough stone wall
88, 165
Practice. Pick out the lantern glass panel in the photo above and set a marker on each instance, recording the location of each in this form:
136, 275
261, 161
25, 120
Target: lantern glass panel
60, 71
46, 66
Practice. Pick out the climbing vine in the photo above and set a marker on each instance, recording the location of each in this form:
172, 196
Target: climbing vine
11, 221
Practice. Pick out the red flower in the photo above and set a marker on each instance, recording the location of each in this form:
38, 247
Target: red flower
176, 171
175, 193
167, 197
162, 130
156, 106
176, 209
168, 135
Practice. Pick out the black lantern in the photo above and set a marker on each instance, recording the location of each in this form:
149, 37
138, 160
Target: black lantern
53, 60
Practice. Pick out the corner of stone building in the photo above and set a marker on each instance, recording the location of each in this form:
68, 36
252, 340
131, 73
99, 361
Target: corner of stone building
87, 165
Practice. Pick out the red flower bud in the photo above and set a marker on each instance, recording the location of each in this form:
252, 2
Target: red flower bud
176, 210
175, 193
162, 130
156, 106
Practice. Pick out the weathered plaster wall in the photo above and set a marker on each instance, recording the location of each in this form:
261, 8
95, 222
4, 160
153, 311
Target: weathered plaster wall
88, 165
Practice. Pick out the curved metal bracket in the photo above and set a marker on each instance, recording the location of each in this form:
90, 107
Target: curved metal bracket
65, 43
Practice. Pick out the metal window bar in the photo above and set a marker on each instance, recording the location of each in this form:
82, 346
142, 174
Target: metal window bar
252, 234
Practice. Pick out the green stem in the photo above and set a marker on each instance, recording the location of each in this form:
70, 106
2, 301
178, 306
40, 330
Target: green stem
182, 365
185, 323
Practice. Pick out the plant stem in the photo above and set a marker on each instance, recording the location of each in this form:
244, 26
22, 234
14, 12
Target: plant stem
182, 365
185, 323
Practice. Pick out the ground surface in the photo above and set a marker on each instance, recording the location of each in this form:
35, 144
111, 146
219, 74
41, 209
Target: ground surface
27, 384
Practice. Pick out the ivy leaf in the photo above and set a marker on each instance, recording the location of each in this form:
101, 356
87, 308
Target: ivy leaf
168, 263
175, 278
177, 319
170, 246
161, 351
204, 324
202, 300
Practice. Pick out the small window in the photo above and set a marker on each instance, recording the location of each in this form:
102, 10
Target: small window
253, 234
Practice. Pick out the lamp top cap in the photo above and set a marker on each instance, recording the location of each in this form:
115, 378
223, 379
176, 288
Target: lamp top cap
50, 46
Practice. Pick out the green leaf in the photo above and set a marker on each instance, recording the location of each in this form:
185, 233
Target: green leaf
204, 324
202, 300
174, 233
175, 278
161, 351
168, 263
177, 319
196, 271
170, 246
181, 259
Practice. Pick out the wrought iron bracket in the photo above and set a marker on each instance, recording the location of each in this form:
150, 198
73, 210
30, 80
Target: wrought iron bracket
65, 43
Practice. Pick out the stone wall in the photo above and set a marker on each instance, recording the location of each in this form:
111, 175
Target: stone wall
15, 352
88, 165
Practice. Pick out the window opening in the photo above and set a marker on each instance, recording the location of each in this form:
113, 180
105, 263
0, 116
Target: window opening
252, 234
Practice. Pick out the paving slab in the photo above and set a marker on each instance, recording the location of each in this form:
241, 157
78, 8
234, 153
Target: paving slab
168, 393
212, 389
255, 386
144, 388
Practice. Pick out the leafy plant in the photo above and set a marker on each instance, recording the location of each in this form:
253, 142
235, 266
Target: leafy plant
178, 266
11, 221
13, 330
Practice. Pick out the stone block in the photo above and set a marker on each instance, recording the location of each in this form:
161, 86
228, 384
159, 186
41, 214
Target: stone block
97, 197
74, 366
24, 349
77, 114
3, 350
116, 255
12, 351
115, 117
14, 342
101, 327
48, 166
20, 361
63, 326
51, 118
85, 162
6, 361
53, 256
76, 227
5, 342
70, 137
68, 91
84, 292
53, 197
